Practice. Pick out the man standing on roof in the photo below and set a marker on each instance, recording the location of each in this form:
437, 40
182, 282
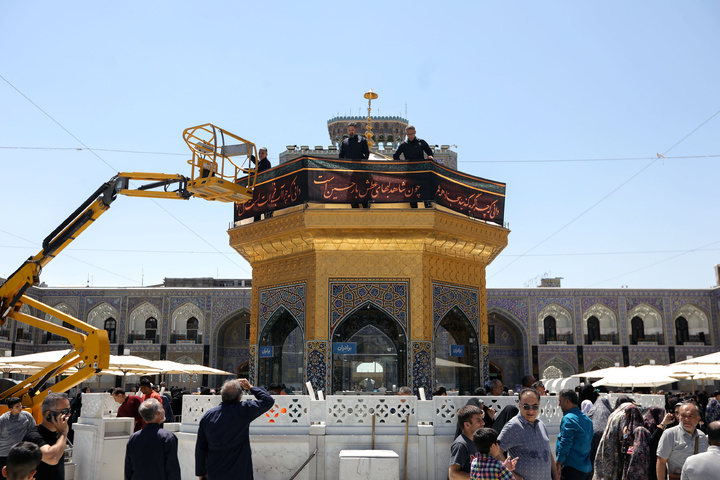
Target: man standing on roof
354, 147
413, 149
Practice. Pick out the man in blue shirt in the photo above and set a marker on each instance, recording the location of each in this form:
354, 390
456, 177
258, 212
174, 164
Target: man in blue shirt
572, 448
222, 451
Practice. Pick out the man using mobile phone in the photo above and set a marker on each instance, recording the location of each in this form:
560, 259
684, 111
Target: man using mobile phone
51, 436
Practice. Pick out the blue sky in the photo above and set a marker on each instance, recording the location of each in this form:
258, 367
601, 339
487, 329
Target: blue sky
569, 103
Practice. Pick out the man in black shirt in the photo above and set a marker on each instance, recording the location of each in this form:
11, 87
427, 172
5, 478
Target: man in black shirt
264, 162
51, 436
354, 147
413, 148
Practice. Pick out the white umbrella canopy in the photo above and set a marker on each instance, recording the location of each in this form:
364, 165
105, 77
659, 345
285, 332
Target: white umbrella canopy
40, 359
441, 362
710, 359
604, 372
133, 364
202, 369
644, 376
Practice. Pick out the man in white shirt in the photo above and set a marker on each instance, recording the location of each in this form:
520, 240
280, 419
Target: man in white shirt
705, 465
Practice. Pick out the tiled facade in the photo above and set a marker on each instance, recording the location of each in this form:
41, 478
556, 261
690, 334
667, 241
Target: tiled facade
516, 346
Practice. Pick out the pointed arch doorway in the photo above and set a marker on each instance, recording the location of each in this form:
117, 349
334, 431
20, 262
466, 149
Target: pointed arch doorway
284, 362
380, 356
455, 330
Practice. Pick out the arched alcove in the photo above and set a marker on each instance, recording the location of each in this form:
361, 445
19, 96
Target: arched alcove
181, 317
509, 347
646, 326
230, 345
139, 325
691, 326
105, 316
51, 338
562, 328
456, 330
283, 362
378, 338
600, 325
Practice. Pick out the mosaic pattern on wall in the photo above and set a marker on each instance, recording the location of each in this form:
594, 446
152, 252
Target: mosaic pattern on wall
225, 305
504, 336
517, 307
252, 364
609, 302
547, 353
421, 359
643, 355
317, 356
291, 297
347, 296
566, 302
655, 302
445, 297
485, 364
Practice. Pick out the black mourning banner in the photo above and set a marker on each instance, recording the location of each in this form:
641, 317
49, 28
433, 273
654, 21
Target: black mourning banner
308, 179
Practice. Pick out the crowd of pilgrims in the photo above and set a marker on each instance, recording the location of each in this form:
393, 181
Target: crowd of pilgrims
626, 435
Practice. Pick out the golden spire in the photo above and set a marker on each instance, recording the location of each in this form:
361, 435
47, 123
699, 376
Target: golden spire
370, 95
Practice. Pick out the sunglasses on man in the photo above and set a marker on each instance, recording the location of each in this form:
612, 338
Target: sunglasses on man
531, 407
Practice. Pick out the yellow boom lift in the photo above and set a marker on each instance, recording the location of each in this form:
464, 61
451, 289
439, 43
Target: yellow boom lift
214, 176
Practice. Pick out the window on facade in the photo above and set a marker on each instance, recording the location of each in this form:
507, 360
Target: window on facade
150, 328
593, 327
550, 326
491, 334
247, 331
111, 328
682, 332
637, 330
192, 328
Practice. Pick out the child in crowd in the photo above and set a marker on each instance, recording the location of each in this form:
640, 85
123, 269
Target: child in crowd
22, 461
485, 466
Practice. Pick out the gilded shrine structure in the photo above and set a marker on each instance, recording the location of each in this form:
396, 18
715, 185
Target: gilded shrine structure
369, 298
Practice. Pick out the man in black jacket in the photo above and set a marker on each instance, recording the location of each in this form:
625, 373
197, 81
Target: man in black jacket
152, 453
413, 148
354, 147
222, 450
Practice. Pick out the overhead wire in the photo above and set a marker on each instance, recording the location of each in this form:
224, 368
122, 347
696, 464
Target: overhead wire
116, 170
702, 248
602, 199
548, 160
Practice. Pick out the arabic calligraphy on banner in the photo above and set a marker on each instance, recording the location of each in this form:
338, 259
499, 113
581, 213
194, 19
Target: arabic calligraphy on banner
309, 179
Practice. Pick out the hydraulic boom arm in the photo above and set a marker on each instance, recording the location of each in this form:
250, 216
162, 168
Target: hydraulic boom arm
214, 176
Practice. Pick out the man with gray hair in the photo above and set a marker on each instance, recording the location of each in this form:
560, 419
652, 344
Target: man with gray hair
678, 443
51, 436
222, 451
151, 453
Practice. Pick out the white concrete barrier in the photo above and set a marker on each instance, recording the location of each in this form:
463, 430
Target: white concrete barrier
283, 438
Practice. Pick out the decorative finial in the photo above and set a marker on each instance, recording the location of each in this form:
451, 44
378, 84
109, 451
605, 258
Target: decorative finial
370, 95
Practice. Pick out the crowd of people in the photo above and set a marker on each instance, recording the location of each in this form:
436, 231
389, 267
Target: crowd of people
597, 440
29, 450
